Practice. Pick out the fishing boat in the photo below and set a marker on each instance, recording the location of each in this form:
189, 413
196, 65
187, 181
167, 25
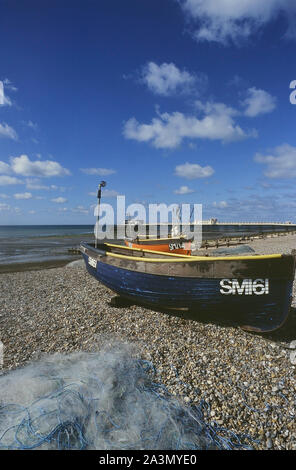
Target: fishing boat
255, 289
176, 242
178, 245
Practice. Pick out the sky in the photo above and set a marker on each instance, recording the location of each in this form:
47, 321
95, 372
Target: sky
178, 101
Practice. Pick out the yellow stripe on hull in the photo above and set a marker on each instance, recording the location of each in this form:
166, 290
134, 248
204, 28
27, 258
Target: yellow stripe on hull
191, 259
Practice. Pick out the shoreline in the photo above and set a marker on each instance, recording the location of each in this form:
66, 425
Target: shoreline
283, 244
35, 266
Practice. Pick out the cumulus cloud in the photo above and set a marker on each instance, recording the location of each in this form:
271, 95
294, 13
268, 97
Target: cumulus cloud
258, 102
4, 99
7, 132
167, 79
23, 196
7, 180
34, 184
108, 193
22, 165
256, 207
184, 190
193, 171
59, 200
227, 21
4, 207
281, 163
169, 129
80, 210
98, 171
4, 168
9, 85
220, 204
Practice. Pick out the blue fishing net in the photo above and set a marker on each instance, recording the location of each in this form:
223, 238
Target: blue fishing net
235, 250
105, 400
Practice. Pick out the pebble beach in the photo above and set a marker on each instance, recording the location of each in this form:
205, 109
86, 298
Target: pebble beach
248, 380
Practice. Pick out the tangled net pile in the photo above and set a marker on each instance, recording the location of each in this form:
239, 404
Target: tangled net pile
105, 400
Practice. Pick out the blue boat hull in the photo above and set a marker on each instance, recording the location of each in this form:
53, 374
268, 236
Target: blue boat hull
264, 312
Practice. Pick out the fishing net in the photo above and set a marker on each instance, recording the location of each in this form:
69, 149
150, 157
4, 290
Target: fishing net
236, 250
104, 400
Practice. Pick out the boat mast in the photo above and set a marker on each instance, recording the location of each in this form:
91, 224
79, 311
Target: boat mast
101, 185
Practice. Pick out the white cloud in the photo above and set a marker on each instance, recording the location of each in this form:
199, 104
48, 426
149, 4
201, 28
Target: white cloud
281, 163
6, 180
105, 193
193, 171
258, 102
32, 125
22, 165
227, 21
220, 204
59, 200
184, 190
4, 207
168, 79
4, 99
98, 171
168, 130
1, 93
80, 210
109, 193
4, 168
9, 85
23, 196
7, 131
4, 196
34, 184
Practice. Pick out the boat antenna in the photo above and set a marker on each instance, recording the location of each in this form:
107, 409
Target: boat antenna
101, 185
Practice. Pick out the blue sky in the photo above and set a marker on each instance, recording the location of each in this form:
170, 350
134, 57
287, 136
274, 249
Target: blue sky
175, 101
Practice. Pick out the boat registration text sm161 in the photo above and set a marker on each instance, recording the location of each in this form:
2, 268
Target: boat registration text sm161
245, 287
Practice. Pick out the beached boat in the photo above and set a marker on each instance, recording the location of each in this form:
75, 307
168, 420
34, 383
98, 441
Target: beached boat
179, 245
256, 290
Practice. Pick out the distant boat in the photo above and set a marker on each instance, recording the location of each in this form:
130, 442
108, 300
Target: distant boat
179, 245
256, 290
176, 242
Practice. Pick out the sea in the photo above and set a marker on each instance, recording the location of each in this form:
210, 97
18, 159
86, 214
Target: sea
51, 243
41, 243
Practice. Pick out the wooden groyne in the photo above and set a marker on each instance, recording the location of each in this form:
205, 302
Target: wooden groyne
232, 241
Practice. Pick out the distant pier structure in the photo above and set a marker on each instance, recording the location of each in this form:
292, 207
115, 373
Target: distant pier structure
216, 222
212, 229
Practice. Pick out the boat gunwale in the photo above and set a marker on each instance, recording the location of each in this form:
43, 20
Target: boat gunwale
175, 258
165, 253
138, 239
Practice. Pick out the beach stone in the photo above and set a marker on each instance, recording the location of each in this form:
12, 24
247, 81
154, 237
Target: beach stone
293, 357
75, 264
